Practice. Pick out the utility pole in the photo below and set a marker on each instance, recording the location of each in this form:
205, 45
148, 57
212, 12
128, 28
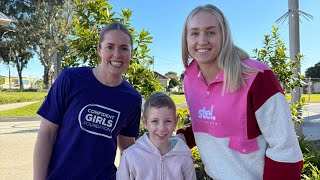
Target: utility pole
294, 41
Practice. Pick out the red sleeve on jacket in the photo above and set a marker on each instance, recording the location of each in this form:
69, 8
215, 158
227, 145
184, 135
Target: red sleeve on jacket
262, 88
278, 171
188, 134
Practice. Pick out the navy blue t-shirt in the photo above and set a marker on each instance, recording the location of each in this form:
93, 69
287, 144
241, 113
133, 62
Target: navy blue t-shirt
90, 116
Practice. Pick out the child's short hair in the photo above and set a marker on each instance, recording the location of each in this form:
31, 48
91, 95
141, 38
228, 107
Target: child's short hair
158, 100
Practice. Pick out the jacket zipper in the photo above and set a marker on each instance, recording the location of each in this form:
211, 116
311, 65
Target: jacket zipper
161, 171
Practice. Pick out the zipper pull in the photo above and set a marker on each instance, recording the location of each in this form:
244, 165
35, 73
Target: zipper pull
162, 158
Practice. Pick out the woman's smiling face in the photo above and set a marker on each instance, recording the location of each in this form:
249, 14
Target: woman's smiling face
204, 37
115, 52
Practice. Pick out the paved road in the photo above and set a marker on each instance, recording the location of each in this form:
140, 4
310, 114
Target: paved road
17, 139
18, 135
311, 121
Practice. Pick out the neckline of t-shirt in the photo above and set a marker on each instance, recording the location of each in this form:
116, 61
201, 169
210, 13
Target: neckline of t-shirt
101, 84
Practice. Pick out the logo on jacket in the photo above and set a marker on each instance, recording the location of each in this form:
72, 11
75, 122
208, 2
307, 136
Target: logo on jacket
206, 114
98, 120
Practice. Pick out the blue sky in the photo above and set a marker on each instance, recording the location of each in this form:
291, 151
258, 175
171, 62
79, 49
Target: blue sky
250, 20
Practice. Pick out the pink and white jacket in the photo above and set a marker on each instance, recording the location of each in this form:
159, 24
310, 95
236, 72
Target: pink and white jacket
143, 161
247, 134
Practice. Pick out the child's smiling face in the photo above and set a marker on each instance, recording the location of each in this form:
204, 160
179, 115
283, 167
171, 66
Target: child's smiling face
160, 124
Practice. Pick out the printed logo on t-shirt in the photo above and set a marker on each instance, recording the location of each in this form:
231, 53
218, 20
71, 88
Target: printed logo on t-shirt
205, 114
98, 120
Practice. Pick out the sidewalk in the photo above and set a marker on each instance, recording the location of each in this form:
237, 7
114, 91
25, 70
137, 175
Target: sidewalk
311, 121
17, 140
14, 105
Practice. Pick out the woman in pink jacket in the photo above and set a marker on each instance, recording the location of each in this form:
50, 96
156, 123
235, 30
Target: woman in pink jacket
155, 155
241, 121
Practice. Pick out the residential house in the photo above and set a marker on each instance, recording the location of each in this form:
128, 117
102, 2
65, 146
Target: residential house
163, 79
313, 86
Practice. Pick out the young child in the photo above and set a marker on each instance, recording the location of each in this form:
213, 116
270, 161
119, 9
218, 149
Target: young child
155, 155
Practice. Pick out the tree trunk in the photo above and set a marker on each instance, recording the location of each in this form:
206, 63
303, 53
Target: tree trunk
19, 73
45, 60
46, 77
20, 80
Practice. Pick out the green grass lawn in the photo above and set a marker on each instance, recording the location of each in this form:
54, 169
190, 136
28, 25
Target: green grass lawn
15, 97
29, 110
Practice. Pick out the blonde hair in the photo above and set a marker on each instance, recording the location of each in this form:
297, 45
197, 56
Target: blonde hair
230, 56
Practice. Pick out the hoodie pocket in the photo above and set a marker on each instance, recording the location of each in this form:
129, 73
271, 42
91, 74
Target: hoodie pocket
243, 146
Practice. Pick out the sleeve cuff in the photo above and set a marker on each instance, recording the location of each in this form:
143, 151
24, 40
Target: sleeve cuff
274, 170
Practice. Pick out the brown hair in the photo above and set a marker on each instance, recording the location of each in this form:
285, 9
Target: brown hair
158, 100
115, 26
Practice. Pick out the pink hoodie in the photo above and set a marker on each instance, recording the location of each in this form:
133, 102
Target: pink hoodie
143, 161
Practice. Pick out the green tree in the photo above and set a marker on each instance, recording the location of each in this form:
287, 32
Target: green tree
17, 54
173, 79
52, 21
273, 54
15, 42
42, 25
181, 77
89, 19
173, 83
313, 72
171, 75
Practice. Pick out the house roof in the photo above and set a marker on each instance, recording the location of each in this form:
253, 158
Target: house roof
4, 20
159, 76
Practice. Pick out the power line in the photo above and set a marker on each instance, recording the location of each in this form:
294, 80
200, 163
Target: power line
170, 60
